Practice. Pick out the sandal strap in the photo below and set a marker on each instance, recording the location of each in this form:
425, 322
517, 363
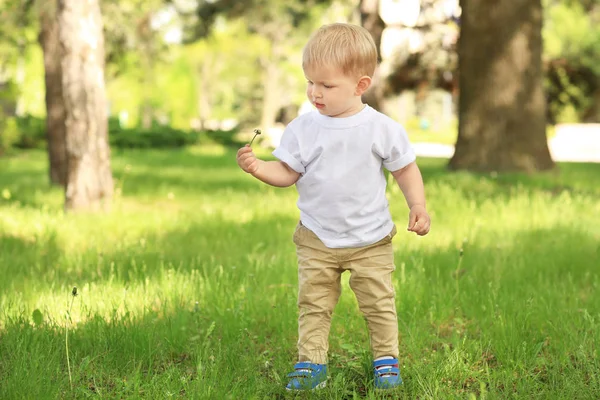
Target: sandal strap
391, 362
300, 374
306, 365
306, 369
387, 371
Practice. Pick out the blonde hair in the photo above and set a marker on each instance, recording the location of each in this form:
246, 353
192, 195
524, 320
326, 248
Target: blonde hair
348, 47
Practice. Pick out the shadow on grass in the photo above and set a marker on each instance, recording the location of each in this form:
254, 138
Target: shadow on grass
28, 188
201, 246
24, 259
205, 175
149, 171
136, 172
184, 157
139, 183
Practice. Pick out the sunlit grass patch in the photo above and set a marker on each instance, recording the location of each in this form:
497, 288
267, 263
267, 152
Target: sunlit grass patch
188, 287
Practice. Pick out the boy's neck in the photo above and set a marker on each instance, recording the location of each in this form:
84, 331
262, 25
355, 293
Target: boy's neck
346, 121
355, 110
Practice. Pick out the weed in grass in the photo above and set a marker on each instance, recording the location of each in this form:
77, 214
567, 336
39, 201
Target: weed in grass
67, 321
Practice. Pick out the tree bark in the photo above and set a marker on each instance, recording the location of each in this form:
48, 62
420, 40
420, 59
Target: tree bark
502, 108
89, 178
55, 107
271, 77
204, 90
271, 94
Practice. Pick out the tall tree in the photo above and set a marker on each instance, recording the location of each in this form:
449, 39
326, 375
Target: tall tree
89, 178
55, 107
502, 108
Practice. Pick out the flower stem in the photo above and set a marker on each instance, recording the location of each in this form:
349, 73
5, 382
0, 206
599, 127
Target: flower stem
256, 133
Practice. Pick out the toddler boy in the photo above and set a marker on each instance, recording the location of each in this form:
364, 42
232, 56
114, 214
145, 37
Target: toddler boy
335, 156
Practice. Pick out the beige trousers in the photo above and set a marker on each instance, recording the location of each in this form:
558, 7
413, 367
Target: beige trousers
319, 272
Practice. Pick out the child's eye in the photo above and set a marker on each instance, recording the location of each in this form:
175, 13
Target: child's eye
327, 86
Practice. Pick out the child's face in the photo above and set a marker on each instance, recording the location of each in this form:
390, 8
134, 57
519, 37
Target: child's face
332, 92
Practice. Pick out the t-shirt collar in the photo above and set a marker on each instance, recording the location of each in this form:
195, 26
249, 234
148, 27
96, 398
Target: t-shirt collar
344, 122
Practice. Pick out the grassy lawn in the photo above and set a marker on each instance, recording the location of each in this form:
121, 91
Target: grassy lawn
188, 288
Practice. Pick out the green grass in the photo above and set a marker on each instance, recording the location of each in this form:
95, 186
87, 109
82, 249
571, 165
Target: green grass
187, 289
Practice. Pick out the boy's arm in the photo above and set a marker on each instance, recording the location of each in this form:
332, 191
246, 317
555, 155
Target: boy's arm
274, 173
410, 181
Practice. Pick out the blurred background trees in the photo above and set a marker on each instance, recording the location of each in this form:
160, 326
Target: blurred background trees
179, 71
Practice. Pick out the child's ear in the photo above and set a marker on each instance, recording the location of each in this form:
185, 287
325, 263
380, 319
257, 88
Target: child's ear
363, 84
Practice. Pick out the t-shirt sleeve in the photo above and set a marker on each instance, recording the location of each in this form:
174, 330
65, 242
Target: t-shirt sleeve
396, 151
288, 151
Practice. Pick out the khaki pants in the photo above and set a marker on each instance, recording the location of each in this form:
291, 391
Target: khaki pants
319, 272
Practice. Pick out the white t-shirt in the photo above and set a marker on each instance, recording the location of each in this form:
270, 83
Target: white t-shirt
342, 186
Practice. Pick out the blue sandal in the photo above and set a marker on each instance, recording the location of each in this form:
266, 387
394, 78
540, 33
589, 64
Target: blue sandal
387, 378
307, 376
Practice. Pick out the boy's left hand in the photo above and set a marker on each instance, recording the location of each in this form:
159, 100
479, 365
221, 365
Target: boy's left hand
418, 220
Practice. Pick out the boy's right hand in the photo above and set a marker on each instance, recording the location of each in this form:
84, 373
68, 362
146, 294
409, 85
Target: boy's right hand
247, 160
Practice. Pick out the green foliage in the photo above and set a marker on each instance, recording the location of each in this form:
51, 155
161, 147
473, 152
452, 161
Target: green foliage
32, 132
227, 72
572, 33
9, 133
21, 132
280, 27
129, 35
156, 137
188, 288
20, 63
32, 90
225, 138
165, 137
18, 29
260, 14
205, 78
571, 47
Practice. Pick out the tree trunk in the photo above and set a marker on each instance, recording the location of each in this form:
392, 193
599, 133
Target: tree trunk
89, 178
271, 95
20, 77
147, 117
371, 21
271, 101
55, 107
204, 90
502, 108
